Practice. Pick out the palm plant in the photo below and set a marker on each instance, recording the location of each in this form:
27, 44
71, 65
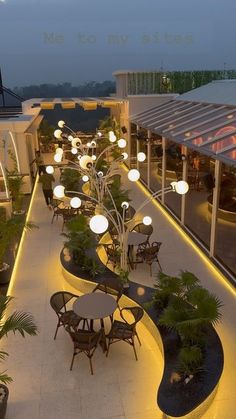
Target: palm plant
168, 286
190, 315
18, 321
10, 230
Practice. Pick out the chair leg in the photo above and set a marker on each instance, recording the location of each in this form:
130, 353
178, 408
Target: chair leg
159, 264
91, 365
72, 361
139, 341
58, 324
108, 347
135, 353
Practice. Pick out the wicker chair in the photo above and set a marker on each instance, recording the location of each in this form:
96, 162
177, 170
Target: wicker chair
124, 331
85, 342
57, 211
147, 230
58, 302
111, 286
147, 253
113, 255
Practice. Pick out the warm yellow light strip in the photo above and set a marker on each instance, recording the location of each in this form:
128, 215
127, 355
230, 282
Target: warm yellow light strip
13, 275
187, 239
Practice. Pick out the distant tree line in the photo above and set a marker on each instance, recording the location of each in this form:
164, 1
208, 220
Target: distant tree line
66, 90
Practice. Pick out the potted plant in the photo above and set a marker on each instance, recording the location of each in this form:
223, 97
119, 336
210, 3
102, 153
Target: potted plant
15, 183
18, 321
46, 136
124, 277
10, 231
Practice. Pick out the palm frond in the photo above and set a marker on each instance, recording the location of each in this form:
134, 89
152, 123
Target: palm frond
4, 302
5, 378
19, 322
3, 355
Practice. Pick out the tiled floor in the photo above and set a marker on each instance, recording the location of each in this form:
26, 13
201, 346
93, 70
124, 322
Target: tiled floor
43, 386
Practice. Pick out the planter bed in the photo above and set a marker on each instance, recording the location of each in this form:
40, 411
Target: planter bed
177, 399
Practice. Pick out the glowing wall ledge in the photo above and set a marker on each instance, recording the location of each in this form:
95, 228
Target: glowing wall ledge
215, 271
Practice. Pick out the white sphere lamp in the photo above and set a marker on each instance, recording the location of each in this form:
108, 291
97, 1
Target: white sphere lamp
70, 137
85, 178
57, 133
85, 162
141, 156
133, 175
74, 150
147, 220
61, 124
59, 191
49, 170
181, 187
59, 150
93, 157
125, 205
76, 142
58, 157
125, 155
75, 202
122, 143
98, 224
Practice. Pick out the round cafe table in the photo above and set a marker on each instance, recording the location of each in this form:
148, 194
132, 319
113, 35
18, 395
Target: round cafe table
135, 238
96, 305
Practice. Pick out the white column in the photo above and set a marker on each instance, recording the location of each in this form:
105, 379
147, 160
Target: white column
184, 177
215, 204
149, 159
163, 170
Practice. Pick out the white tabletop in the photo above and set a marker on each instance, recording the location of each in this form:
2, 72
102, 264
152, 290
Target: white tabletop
96, 305
135, 238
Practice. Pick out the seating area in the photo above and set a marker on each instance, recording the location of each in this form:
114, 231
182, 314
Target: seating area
49, 353
81, 329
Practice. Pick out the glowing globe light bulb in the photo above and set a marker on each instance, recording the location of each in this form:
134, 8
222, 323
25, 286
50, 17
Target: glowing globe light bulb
133, 175
85, 162
58, 158
99, 134
76, 142
181, 187
70, 137
59, 150
61, 124
59, 191
98, 224
147, 220
122, 143
57, 133
100, 174
125, 205
94, 157
49, 170
85, 178
125, 155
75, 202
74, 150
88, 144
141, 156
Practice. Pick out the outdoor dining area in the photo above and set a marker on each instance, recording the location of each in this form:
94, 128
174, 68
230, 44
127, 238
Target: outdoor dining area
107, 238
83, 319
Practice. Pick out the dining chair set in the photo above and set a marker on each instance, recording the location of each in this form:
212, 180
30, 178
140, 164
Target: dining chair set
76, 314
139, 237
